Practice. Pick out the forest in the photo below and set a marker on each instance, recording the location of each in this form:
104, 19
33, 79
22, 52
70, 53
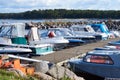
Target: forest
62, 13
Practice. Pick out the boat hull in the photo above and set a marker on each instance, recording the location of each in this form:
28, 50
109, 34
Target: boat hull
101, 70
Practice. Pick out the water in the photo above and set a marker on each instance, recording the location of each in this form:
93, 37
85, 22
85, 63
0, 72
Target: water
44, 20
41, 20
18, 21
50, 20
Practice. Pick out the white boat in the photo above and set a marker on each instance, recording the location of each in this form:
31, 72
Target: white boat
116, 33
68, 34
88, 30
14, 35
57, 42
14, 50
113, 47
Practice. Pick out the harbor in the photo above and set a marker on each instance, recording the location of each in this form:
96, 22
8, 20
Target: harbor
46, 47
60, 40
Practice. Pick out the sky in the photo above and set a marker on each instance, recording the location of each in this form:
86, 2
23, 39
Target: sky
15, 6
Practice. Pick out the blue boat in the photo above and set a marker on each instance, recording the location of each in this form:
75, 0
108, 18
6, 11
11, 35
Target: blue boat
102, 28
76, 41
102, 48
98, 64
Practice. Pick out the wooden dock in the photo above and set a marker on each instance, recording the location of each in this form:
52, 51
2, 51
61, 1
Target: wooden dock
66, 54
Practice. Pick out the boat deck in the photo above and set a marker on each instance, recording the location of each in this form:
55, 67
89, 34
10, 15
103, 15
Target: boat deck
66, 54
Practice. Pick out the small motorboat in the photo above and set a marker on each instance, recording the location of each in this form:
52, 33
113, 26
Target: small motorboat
14, 50
14, 35
86, 30
98, 64
102, 29
115, 43
107, 47
69, 35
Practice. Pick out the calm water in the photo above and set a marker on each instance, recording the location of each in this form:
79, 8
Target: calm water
50, 20
45, 20
18, 21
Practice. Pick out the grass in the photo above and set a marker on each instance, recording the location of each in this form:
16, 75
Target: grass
65, 78
6, 75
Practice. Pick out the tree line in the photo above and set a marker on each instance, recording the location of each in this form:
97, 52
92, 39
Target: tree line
62, 13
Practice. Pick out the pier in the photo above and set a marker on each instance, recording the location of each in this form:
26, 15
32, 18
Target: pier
63, 55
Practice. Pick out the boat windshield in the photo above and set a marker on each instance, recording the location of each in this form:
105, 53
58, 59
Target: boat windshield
63, 33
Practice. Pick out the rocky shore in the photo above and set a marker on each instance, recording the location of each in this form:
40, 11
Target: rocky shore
112, 24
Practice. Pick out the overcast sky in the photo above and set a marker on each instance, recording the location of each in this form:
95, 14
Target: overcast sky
7, 6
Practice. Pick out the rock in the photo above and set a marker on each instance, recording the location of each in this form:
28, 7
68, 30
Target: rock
17, 72
43, 76
59, 72
41, 66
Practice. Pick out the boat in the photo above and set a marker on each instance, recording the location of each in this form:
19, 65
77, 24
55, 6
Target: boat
115, 43
14, 50
20, 64
104, 48
108, 47
102, 29
115, 32
112, 47
68, 34
14, 36
58, 42
86, 30
97, 64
